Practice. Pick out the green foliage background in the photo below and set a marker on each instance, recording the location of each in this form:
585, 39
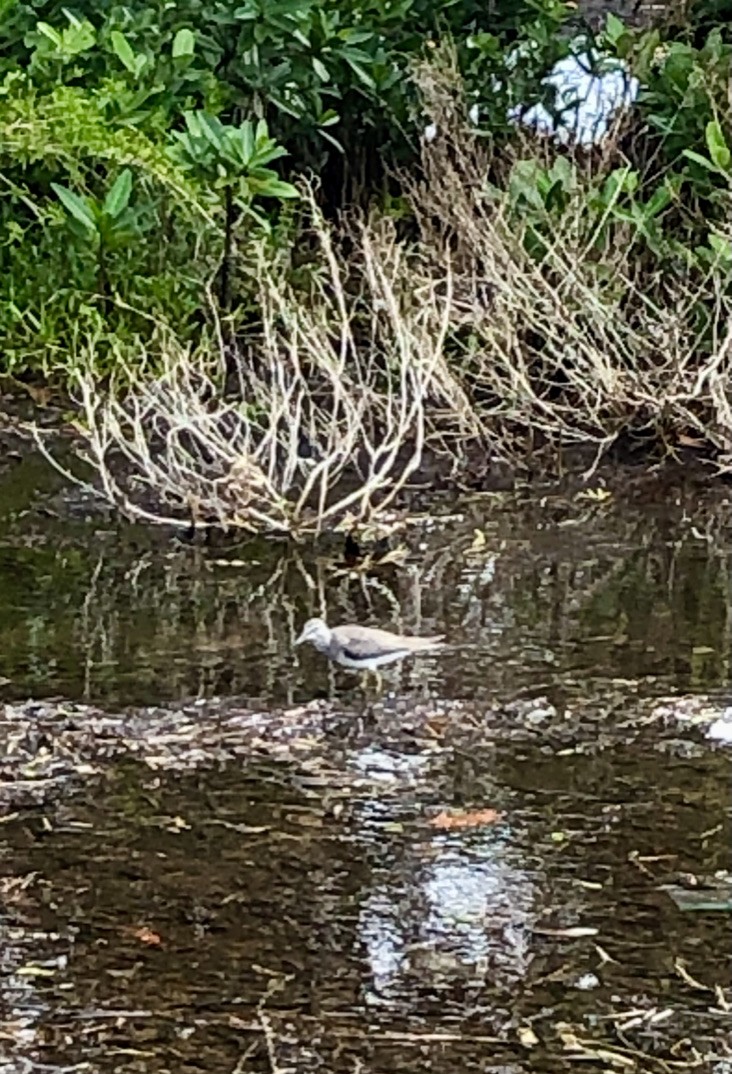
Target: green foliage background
141, 142
193, 102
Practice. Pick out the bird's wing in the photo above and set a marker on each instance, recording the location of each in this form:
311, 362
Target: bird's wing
365, 642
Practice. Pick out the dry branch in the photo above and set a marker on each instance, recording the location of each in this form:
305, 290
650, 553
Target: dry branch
329, 414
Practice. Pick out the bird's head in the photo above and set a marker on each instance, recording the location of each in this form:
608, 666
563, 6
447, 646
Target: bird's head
316, 632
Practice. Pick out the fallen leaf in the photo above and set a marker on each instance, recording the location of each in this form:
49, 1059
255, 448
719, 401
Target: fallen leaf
436, 726
177, 824
587, 1049
478, 542
474, 819
599, 495
31, 970
144, 935
527, 1037
305, 820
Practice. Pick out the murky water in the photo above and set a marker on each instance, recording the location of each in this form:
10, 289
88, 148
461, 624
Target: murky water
316, 912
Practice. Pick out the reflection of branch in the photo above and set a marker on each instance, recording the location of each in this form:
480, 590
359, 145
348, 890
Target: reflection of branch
111, 626
276, 984
87, 634
269, 1040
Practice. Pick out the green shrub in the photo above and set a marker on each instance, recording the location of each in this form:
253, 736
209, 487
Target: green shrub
146, 149
141, 146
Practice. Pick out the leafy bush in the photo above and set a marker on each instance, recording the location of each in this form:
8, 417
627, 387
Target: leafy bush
141, 146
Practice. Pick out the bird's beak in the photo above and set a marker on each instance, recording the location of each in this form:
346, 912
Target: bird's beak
301, 639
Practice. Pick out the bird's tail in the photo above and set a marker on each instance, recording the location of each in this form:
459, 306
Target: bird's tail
435, 642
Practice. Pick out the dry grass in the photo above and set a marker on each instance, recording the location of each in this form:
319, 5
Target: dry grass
571, 345
454, 337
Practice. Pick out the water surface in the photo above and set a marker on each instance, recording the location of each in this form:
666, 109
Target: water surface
305, 912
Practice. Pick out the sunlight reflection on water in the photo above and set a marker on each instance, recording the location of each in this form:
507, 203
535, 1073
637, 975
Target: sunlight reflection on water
449, 908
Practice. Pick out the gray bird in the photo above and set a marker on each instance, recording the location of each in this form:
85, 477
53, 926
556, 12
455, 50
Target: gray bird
364, 649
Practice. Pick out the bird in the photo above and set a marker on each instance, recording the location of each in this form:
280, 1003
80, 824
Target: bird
362, 648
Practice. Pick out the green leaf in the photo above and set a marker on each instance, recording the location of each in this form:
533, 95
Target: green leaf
525, 181
75, 22
118, 195
193, 124
717, 145
123, 51
321, 70
212, 129
614, 28
184, 44
251, 139
277, 188
48, 31
78, 39
333, 141
76, 206
699, 159
657, 202
358, 70
721, 245
355, 37
285, 106
565, 173
328, 118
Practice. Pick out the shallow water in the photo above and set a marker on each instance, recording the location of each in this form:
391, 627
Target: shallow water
531, 593
306, 912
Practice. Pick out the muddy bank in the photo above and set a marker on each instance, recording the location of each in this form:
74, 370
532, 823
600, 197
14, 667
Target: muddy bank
46, 747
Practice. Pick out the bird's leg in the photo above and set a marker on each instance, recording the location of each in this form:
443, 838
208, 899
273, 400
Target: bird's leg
367, 676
